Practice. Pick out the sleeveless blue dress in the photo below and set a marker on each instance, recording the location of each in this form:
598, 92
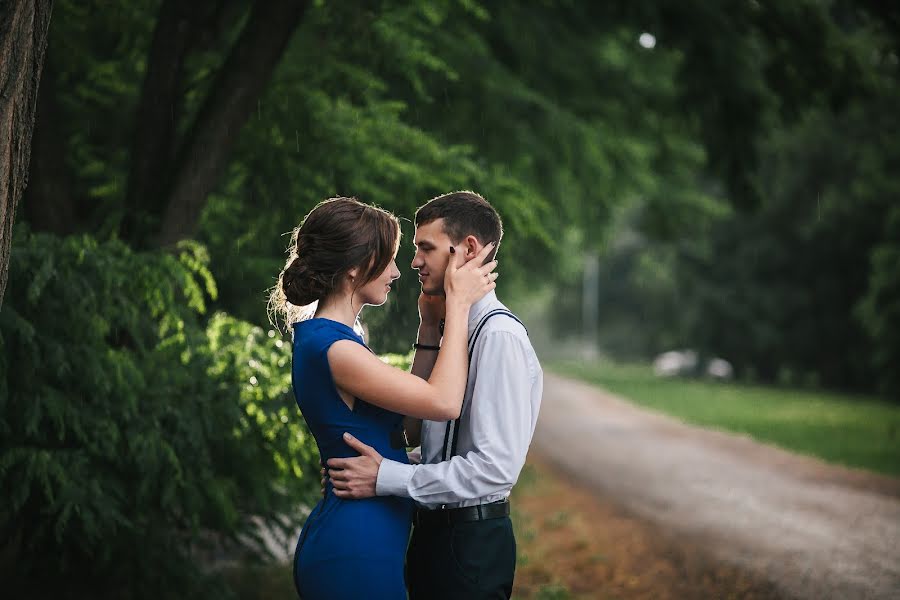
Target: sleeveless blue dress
347, 548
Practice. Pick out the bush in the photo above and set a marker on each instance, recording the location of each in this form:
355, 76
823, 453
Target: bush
136, 440
879, 310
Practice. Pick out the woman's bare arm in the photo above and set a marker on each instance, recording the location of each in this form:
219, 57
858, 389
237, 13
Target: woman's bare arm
362, 374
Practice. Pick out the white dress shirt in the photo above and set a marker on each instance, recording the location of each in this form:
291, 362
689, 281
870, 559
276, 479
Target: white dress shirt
500, 410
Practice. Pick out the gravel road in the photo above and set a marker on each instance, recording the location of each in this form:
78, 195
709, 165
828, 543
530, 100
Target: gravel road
815, 530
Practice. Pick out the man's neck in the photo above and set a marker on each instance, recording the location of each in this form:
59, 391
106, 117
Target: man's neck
478, 309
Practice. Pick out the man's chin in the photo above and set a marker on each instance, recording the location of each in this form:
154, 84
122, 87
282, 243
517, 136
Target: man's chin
432, 291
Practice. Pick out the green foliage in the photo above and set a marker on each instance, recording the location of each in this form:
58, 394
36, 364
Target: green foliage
256, 364
738, 181
349, 130
879, 311
800, 290
95, 60
779, 289
580, 143
135, 439
400, 361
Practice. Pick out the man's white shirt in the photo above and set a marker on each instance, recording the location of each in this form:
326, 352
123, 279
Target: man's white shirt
500, 410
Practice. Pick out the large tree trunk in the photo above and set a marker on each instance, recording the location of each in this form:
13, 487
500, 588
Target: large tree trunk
229, 103
23, 41
153, 147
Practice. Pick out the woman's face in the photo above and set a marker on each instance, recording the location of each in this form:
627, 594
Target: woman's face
376, 291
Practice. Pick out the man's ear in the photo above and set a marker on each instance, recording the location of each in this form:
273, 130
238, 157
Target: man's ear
472, 246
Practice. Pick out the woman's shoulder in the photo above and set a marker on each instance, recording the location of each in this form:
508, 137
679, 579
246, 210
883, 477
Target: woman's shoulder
318, 334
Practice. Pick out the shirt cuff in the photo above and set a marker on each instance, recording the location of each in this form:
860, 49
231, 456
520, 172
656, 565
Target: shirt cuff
393, 479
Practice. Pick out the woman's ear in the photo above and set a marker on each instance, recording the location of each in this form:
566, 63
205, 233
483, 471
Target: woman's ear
352, 274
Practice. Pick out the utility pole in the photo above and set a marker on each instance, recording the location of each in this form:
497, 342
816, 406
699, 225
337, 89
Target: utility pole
590, 309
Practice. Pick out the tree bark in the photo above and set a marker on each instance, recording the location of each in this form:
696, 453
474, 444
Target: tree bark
231, 100
23, 42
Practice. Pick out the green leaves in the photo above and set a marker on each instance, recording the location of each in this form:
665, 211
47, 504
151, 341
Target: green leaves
879, 310
129, 423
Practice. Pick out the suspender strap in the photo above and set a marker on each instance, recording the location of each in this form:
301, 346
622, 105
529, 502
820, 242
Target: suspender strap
452, 430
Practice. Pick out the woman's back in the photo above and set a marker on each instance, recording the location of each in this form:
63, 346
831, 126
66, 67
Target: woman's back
367, 537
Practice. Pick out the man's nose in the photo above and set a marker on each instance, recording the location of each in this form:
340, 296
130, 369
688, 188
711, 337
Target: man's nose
417, 262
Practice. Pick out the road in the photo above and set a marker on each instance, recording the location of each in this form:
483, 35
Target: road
815, 530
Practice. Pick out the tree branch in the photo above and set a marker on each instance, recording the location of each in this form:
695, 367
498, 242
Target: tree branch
155, 121
228, 105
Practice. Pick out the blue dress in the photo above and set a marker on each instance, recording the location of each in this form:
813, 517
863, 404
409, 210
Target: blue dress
347, 548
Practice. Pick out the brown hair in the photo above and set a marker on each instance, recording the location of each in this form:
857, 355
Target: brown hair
339, 234
464, 213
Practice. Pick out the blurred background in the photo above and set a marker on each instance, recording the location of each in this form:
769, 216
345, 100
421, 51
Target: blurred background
715, 180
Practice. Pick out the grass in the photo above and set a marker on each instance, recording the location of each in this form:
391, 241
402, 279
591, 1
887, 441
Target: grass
856, 431
534, 581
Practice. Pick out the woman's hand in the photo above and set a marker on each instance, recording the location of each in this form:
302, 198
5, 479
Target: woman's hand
468, 283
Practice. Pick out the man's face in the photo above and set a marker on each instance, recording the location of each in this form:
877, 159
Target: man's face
432, 256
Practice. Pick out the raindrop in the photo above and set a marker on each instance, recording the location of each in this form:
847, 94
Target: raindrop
254, 380
647, 40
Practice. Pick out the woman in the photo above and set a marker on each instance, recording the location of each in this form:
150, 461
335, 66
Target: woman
341, 259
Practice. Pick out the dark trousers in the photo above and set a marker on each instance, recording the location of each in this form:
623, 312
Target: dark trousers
475, 560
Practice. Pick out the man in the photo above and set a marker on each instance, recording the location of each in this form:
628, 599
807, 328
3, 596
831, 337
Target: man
462, 544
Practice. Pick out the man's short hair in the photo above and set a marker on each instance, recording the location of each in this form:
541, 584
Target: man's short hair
464, 213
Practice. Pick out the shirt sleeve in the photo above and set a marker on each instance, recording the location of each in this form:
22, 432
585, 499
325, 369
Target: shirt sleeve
501, 425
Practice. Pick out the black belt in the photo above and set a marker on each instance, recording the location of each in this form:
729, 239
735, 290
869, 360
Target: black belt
449, 516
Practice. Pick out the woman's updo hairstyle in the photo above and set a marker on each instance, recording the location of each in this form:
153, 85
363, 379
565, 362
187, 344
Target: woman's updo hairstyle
339, 234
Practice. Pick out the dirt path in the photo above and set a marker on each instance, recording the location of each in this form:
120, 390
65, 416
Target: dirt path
814, 530
569, 539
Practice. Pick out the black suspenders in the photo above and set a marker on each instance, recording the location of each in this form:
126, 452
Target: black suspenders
449, 449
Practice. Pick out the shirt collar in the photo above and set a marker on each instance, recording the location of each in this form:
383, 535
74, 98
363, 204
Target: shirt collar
480, 308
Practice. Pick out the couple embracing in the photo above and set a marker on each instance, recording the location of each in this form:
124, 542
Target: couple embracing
471, 401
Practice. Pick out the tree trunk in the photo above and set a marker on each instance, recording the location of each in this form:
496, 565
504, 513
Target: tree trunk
231, 100
153, 146
23, 41
49, 202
